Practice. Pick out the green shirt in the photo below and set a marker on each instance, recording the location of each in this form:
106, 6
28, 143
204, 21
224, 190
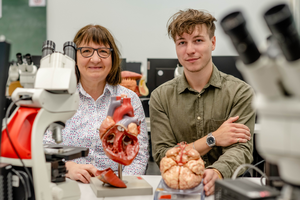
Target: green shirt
179, 113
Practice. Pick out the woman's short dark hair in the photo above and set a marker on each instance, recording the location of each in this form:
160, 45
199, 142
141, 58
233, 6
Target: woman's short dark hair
100, 35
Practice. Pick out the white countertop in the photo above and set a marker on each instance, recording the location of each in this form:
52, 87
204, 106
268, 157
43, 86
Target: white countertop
88, 194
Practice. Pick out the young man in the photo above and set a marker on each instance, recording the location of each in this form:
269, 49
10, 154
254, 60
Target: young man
208, 109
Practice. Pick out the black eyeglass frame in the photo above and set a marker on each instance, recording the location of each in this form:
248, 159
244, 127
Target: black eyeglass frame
110, 49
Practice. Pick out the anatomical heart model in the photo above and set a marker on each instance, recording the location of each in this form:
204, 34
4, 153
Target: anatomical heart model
119, 131
182, 167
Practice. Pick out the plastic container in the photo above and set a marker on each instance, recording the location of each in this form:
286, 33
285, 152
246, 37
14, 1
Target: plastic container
164, 192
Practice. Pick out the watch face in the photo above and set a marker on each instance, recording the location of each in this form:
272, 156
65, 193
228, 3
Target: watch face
210, 140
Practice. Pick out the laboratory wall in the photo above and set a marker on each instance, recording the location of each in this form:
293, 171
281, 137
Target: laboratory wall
139, 26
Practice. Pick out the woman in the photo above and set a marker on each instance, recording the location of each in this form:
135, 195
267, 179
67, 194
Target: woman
98, 75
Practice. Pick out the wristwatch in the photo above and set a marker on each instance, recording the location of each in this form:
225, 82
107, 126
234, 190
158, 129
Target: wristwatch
210, 140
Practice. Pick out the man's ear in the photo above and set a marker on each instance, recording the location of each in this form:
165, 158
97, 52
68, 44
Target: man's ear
213, 41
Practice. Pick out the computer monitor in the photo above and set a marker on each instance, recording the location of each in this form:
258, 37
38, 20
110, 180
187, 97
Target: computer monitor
133, 67
227, 65
123, 64
159, 71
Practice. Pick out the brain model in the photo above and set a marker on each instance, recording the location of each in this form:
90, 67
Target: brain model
182, 168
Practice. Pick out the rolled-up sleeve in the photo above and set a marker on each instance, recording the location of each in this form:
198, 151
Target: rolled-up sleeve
240, 153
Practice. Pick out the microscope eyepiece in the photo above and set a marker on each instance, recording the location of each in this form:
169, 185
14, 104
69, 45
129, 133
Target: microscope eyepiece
281, 23
234, 25
19, 58
48, 48
28, 59
70, 49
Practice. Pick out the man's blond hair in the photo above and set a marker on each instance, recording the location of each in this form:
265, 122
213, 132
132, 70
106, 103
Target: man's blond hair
186, 21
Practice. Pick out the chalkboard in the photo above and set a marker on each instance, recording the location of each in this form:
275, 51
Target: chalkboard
24, 27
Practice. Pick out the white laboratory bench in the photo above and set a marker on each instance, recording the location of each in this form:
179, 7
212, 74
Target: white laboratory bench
88, 194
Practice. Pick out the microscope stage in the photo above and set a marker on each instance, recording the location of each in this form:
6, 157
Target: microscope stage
55, 151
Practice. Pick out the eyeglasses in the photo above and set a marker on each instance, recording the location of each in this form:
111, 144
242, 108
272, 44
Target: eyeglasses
102, 52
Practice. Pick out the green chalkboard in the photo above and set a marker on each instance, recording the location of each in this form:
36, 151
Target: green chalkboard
24, 27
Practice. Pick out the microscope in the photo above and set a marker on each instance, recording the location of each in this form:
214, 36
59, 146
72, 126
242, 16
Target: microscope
276, 82
27, 70
47, 105
13, 77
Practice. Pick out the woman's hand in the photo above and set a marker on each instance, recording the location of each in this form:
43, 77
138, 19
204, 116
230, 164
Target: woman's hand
80, 172
230, 133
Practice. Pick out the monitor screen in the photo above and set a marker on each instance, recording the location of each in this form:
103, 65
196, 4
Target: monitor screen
133, 67
227, 65
123, 64
130, 66
159, 71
